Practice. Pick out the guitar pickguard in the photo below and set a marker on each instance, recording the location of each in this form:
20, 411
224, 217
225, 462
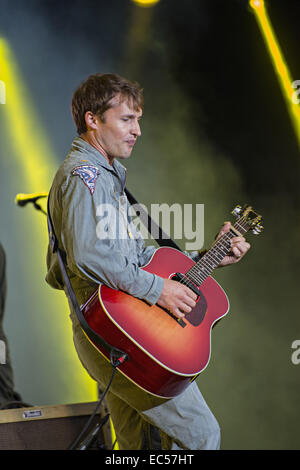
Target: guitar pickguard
196, 316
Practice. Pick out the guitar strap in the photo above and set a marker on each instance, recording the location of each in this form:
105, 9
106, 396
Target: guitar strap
117, 356
163, 238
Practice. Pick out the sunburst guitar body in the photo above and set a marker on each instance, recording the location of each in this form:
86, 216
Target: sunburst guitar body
165, 353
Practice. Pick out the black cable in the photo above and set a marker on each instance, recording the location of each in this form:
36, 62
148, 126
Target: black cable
77, 440
88, 441
117, 357
38, 207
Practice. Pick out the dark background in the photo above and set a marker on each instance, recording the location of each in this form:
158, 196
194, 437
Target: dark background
216, 130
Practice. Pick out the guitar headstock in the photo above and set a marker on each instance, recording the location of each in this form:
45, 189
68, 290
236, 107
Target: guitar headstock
248, 218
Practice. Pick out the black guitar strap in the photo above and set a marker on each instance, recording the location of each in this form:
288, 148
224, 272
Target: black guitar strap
163, 238
117, 356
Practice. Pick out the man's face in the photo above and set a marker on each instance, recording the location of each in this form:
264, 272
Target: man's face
118, 131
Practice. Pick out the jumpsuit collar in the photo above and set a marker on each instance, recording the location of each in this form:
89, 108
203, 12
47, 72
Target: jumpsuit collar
96, 158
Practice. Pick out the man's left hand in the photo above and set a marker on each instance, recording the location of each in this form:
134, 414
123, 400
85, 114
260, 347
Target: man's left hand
239, 247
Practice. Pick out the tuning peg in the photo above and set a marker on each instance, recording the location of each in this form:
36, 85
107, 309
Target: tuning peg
257, 229
237, 211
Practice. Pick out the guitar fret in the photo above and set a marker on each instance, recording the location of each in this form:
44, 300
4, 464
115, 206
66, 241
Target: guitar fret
196, 279
213, 257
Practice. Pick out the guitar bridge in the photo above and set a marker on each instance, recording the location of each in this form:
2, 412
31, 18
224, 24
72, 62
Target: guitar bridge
180, 321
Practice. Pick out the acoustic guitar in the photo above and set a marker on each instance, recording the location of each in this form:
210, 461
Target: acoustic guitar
166, 353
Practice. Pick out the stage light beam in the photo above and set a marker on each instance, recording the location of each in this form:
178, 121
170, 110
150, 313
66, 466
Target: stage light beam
35, 166
280, 66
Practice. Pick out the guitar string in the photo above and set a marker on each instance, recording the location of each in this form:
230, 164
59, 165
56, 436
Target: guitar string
212, 255
209, 261
194, 274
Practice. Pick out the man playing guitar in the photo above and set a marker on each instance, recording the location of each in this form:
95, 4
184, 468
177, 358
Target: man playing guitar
107, 109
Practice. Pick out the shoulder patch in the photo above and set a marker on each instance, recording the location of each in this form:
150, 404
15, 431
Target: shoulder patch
88, 174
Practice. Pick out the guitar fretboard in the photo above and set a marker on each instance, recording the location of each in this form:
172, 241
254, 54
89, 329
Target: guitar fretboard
213, 257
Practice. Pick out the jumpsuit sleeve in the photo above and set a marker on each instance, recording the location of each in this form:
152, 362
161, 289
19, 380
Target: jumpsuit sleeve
101, 260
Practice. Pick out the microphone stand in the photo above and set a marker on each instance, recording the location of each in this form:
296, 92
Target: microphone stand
88, 441
38, 207
23, 199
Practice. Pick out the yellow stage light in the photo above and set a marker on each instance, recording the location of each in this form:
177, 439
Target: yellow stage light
145, 3
280, 66
35, 165
256, 3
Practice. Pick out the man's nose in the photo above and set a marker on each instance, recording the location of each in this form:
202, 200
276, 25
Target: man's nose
136, 130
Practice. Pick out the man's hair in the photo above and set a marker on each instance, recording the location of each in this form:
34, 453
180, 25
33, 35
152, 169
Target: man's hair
95, 94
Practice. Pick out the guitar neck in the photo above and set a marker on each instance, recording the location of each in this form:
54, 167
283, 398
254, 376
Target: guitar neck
213, 257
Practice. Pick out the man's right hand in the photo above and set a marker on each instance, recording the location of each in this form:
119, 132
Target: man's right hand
177, 298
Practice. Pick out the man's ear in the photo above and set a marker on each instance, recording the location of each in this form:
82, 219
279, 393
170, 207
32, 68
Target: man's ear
90, 120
